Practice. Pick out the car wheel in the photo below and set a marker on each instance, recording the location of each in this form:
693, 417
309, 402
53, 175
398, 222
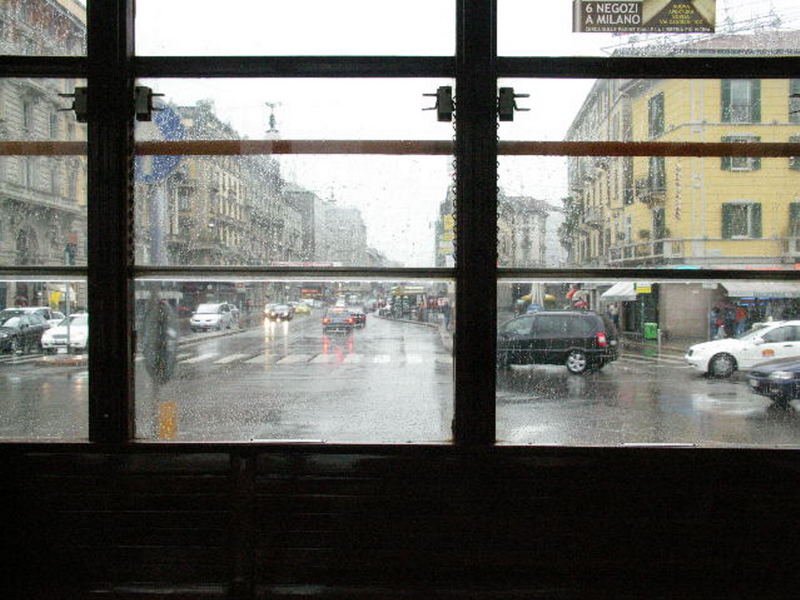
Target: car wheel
576, 362
721, 365
49, 350
780, 400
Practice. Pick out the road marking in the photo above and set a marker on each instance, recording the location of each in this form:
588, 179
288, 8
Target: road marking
199, 358
228, 359
19, 361
381, 359
353, 359
414, 359
325, 359
183, 355
293, 359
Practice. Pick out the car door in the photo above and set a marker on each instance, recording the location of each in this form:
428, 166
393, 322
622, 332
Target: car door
514, 340
780, 342
549, 338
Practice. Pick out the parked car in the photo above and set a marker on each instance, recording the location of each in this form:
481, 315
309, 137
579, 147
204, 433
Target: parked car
720, 358
777, 379
21, 333
338, 318
580, 340
52, 317
212, 316
60, 339
280, 312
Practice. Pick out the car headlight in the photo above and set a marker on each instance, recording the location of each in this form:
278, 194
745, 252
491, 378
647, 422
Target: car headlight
781, 375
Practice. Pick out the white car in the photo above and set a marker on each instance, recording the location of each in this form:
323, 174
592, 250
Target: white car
720, 358
60, 340
212, 316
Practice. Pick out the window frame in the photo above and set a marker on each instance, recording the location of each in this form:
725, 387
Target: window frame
111, 68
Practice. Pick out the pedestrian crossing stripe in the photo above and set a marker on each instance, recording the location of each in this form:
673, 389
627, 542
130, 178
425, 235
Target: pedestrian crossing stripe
199, 358
228, 359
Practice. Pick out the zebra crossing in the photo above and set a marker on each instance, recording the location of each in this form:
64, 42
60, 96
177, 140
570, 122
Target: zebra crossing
208, 358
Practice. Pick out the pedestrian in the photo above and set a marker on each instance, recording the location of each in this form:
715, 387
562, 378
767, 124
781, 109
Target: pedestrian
445, 306
613, 313
729, 317
741, 320
713, 327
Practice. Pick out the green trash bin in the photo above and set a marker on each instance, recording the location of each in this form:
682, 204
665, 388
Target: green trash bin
651, 331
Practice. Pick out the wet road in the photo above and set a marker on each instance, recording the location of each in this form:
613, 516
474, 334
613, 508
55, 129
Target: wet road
391, 382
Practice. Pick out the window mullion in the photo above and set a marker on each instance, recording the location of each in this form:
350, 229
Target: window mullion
110, 134
476, 216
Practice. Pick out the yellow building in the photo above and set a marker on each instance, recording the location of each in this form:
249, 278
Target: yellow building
680, 211
727, 212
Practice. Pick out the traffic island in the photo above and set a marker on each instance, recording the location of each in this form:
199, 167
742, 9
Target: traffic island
62, 360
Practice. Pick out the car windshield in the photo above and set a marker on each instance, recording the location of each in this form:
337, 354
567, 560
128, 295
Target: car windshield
206, 309
757, 331
74, 320
9, 321
10, 313
281, 307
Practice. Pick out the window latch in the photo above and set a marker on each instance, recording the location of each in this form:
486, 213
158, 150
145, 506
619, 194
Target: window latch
79, 104
507, 103
143, 103
444, 103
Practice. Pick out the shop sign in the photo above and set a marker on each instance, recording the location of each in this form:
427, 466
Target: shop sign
644, 16
642, 288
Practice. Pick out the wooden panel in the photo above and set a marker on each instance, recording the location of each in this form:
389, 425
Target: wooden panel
366, 523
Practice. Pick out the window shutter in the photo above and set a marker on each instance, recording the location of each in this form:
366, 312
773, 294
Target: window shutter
755, 220
725, 160
755, 99
727, 217
755, 162
726, 100
794, 218
794, 102
794, 161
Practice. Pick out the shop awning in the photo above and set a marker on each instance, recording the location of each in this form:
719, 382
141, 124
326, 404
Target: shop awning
762, 289
620, 292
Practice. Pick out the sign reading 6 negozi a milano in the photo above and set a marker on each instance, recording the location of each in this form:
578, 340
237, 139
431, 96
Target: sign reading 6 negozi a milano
644, 16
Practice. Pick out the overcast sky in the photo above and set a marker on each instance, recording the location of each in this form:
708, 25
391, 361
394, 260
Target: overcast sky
398, 196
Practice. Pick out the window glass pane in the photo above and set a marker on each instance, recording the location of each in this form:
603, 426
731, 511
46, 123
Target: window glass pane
706, 363
311, 176
300, 27
43, 362
740, 27
338, 361
42, 175
43, 27
629, 211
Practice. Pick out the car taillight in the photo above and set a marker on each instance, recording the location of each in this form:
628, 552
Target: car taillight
601, 339
326, 320
349, 319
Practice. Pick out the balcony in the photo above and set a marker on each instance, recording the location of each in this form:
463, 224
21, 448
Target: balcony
593, 217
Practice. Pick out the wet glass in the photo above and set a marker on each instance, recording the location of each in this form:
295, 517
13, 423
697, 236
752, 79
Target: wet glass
729, 28
300, 27
292, 359
292, 173
40, 28
43, 363
726, 202
672, 362
42, 175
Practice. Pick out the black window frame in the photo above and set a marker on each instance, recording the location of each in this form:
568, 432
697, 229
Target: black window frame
111, 68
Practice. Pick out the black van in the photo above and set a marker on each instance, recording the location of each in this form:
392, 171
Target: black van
580, 340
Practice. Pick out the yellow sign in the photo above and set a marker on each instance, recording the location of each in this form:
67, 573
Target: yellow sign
448, 236
167, 420
449, 222
642, 288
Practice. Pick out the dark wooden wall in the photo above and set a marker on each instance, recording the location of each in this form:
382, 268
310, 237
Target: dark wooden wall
372, 522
